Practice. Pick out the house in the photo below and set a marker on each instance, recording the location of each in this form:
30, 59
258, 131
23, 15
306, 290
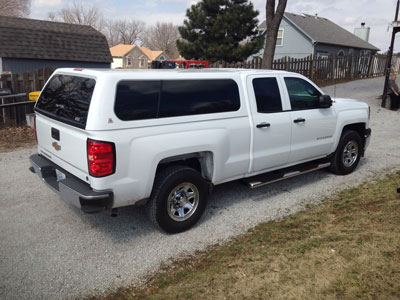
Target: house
27, 45
302, 35
135, 57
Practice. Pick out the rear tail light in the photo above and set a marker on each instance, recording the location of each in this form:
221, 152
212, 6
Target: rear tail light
34, 126
101, 158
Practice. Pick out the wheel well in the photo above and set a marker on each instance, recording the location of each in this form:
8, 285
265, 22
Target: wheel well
359, 128
200, 161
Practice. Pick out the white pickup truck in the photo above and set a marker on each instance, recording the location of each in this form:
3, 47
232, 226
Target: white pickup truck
164, 138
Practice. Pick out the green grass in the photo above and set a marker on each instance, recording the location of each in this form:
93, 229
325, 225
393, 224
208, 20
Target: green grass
348, 247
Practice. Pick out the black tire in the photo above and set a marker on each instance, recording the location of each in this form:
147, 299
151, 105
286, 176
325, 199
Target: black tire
347, 154
175, 190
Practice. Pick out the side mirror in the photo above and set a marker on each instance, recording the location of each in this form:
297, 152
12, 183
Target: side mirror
325, 101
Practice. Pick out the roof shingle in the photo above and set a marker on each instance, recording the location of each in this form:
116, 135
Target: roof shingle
37, 39
322, 30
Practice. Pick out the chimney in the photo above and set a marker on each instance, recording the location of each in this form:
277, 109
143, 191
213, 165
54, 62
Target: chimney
362, 32
316, 16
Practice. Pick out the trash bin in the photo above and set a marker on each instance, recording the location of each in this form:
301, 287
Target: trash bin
30, 120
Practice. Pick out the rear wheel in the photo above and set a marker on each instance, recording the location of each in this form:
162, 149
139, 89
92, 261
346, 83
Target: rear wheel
178, 199
347, 155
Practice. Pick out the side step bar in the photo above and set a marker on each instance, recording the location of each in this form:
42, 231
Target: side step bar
267, 178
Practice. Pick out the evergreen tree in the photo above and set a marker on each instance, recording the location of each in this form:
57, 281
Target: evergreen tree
220, 30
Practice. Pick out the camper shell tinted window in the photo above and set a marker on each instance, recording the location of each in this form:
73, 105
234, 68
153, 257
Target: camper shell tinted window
67, 99
138, 99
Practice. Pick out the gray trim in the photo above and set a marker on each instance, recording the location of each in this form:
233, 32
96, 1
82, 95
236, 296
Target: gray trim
20, 65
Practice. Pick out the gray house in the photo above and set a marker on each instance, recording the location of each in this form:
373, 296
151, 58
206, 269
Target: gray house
302, 35
27, 45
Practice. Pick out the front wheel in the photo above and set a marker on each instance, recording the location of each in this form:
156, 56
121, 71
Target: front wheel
347, 155
178, 199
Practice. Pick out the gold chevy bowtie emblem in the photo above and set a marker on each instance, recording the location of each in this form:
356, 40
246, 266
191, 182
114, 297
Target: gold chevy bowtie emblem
56, 146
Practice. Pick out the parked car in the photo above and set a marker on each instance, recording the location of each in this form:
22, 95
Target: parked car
164, 138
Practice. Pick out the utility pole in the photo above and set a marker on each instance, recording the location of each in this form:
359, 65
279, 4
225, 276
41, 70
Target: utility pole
396, 29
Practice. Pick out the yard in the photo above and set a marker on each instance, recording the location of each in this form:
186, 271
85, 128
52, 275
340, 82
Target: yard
346, 248
49, 250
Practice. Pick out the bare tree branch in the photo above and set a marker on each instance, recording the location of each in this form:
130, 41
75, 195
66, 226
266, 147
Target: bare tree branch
162, 36
79, 13
15, 8
127, 32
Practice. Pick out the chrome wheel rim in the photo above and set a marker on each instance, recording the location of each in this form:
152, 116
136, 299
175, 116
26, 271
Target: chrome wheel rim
350, 153
183, 202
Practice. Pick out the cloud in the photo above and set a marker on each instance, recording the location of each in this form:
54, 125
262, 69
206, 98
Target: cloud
46, 3
350, 20
175, 18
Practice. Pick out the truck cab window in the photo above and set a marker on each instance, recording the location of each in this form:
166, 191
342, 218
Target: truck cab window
302, 94
267, 94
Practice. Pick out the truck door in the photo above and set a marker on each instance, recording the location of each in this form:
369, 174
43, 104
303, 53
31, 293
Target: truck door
312, 127
271, 123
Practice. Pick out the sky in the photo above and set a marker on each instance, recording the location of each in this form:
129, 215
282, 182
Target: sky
377, 14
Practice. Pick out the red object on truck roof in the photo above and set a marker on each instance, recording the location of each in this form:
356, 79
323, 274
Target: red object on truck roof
187, 63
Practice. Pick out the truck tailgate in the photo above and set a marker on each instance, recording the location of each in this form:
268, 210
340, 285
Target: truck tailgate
63, 144
61, 114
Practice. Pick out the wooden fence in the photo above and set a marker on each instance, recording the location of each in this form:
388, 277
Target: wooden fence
18, 84
325, 69
322, 70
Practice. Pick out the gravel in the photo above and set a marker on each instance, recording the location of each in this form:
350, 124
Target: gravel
49, 250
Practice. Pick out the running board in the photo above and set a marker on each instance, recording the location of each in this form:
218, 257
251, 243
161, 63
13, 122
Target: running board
267, 178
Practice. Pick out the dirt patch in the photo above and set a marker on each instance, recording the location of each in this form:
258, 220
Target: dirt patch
12, 138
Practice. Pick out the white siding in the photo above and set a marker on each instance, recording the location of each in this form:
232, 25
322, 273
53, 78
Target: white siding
117, 63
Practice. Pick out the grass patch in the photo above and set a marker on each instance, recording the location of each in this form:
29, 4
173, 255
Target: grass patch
346, 248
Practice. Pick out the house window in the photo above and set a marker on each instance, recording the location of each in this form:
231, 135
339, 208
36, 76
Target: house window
340, 53
141, 62
162, 58
128, 61
279, 39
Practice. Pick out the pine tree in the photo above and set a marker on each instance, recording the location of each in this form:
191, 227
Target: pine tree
220, 30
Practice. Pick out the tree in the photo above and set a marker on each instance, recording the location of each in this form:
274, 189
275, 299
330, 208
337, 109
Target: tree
162, 36
220, 30
117, 32
126, 32
273, 21
15, 8
81, 14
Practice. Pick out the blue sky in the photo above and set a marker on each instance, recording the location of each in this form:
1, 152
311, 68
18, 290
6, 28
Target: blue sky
346, 13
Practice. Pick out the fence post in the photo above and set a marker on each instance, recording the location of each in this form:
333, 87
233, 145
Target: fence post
370, 65
35, 78
350, 62
311, 67
25, 82
14, 83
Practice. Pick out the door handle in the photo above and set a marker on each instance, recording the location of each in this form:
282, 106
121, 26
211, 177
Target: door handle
299, 120
263, 124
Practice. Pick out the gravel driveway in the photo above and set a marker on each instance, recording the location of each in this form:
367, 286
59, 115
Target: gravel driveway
49, 250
